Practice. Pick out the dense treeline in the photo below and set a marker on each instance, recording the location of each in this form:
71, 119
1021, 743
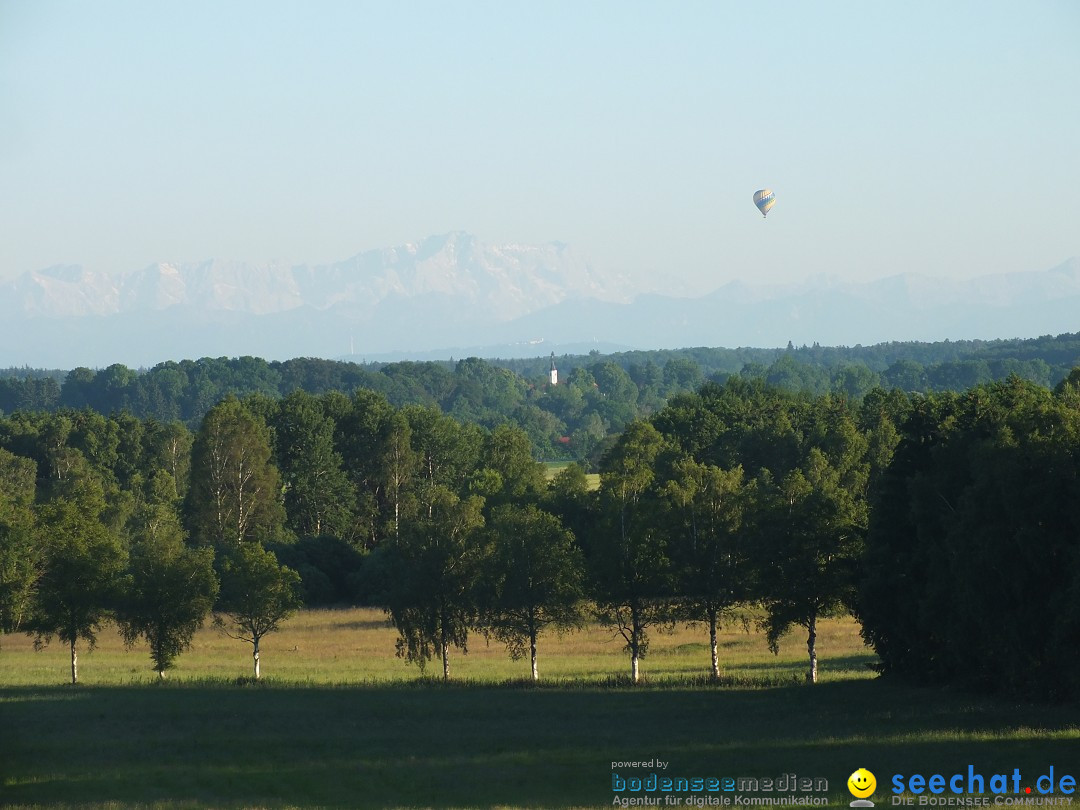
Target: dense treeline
453, 527
566, 421
598, 395
972, 570
948, 522
942, 361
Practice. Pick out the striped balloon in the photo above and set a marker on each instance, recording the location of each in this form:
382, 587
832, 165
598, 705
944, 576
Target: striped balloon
764, 199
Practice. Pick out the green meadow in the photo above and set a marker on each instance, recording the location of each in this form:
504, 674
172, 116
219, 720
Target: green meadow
553, 468
339, 721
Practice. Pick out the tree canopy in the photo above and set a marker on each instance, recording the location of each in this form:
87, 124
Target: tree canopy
946, 521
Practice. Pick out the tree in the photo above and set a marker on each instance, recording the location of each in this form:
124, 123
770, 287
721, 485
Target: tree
169, 589
879, 425
235, 493
257, 595
543, 429
483, 392
375, 442
83, 564
959, 375
811, 528
1068, 390
168, 450
681, 374
429, 575
507, 461
615, 396
713, 567
318, 497
447, 451
974, 541
907, 375
914, 495
20, 555
804, 524
570, 498
628, 555
854, 380
533, 579
792, 375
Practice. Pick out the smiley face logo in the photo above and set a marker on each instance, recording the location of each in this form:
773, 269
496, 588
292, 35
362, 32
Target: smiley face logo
861, 783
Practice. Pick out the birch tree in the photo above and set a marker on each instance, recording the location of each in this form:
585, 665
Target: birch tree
631, 570
812, 533
714, 571
375, 443
430, 572
235, 493
83, 564
169, 589
257, 595
533, 579
20, 552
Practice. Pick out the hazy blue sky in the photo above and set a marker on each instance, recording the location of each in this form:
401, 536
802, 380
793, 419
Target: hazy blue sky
941, 137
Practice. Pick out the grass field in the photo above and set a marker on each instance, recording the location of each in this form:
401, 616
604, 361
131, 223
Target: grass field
340, 722
553, 468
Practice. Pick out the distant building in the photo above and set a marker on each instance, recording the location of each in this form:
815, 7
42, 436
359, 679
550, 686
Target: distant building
554, 371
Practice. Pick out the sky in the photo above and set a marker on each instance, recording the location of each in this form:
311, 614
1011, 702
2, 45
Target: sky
934, 137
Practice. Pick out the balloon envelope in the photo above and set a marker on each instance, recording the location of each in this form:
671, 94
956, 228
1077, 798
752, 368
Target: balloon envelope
764, 199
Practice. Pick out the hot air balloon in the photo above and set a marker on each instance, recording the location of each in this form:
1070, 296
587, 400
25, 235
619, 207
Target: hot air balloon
764, 199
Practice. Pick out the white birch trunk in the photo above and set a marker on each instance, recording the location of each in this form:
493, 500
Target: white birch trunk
811, 648
635, 645
712, 645
445, 661
255, 656
532, 654
74, 663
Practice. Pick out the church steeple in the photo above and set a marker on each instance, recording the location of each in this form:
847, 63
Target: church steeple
554, 374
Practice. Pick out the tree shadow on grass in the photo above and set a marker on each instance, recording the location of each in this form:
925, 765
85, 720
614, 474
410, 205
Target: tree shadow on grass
859, 662
225, 745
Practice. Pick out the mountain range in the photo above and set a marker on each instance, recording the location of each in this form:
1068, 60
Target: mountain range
454, 295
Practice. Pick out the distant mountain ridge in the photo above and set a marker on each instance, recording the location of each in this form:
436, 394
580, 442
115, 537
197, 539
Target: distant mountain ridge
510, 280
826, 311
456, 295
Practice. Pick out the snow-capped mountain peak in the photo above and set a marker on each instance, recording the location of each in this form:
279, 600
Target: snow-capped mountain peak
507, 280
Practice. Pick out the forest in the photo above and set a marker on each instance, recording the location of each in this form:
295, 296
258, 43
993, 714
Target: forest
597, 395
946, 522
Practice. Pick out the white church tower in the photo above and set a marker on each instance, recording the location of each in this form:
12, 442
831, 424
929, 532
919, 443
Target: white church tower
554, 374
